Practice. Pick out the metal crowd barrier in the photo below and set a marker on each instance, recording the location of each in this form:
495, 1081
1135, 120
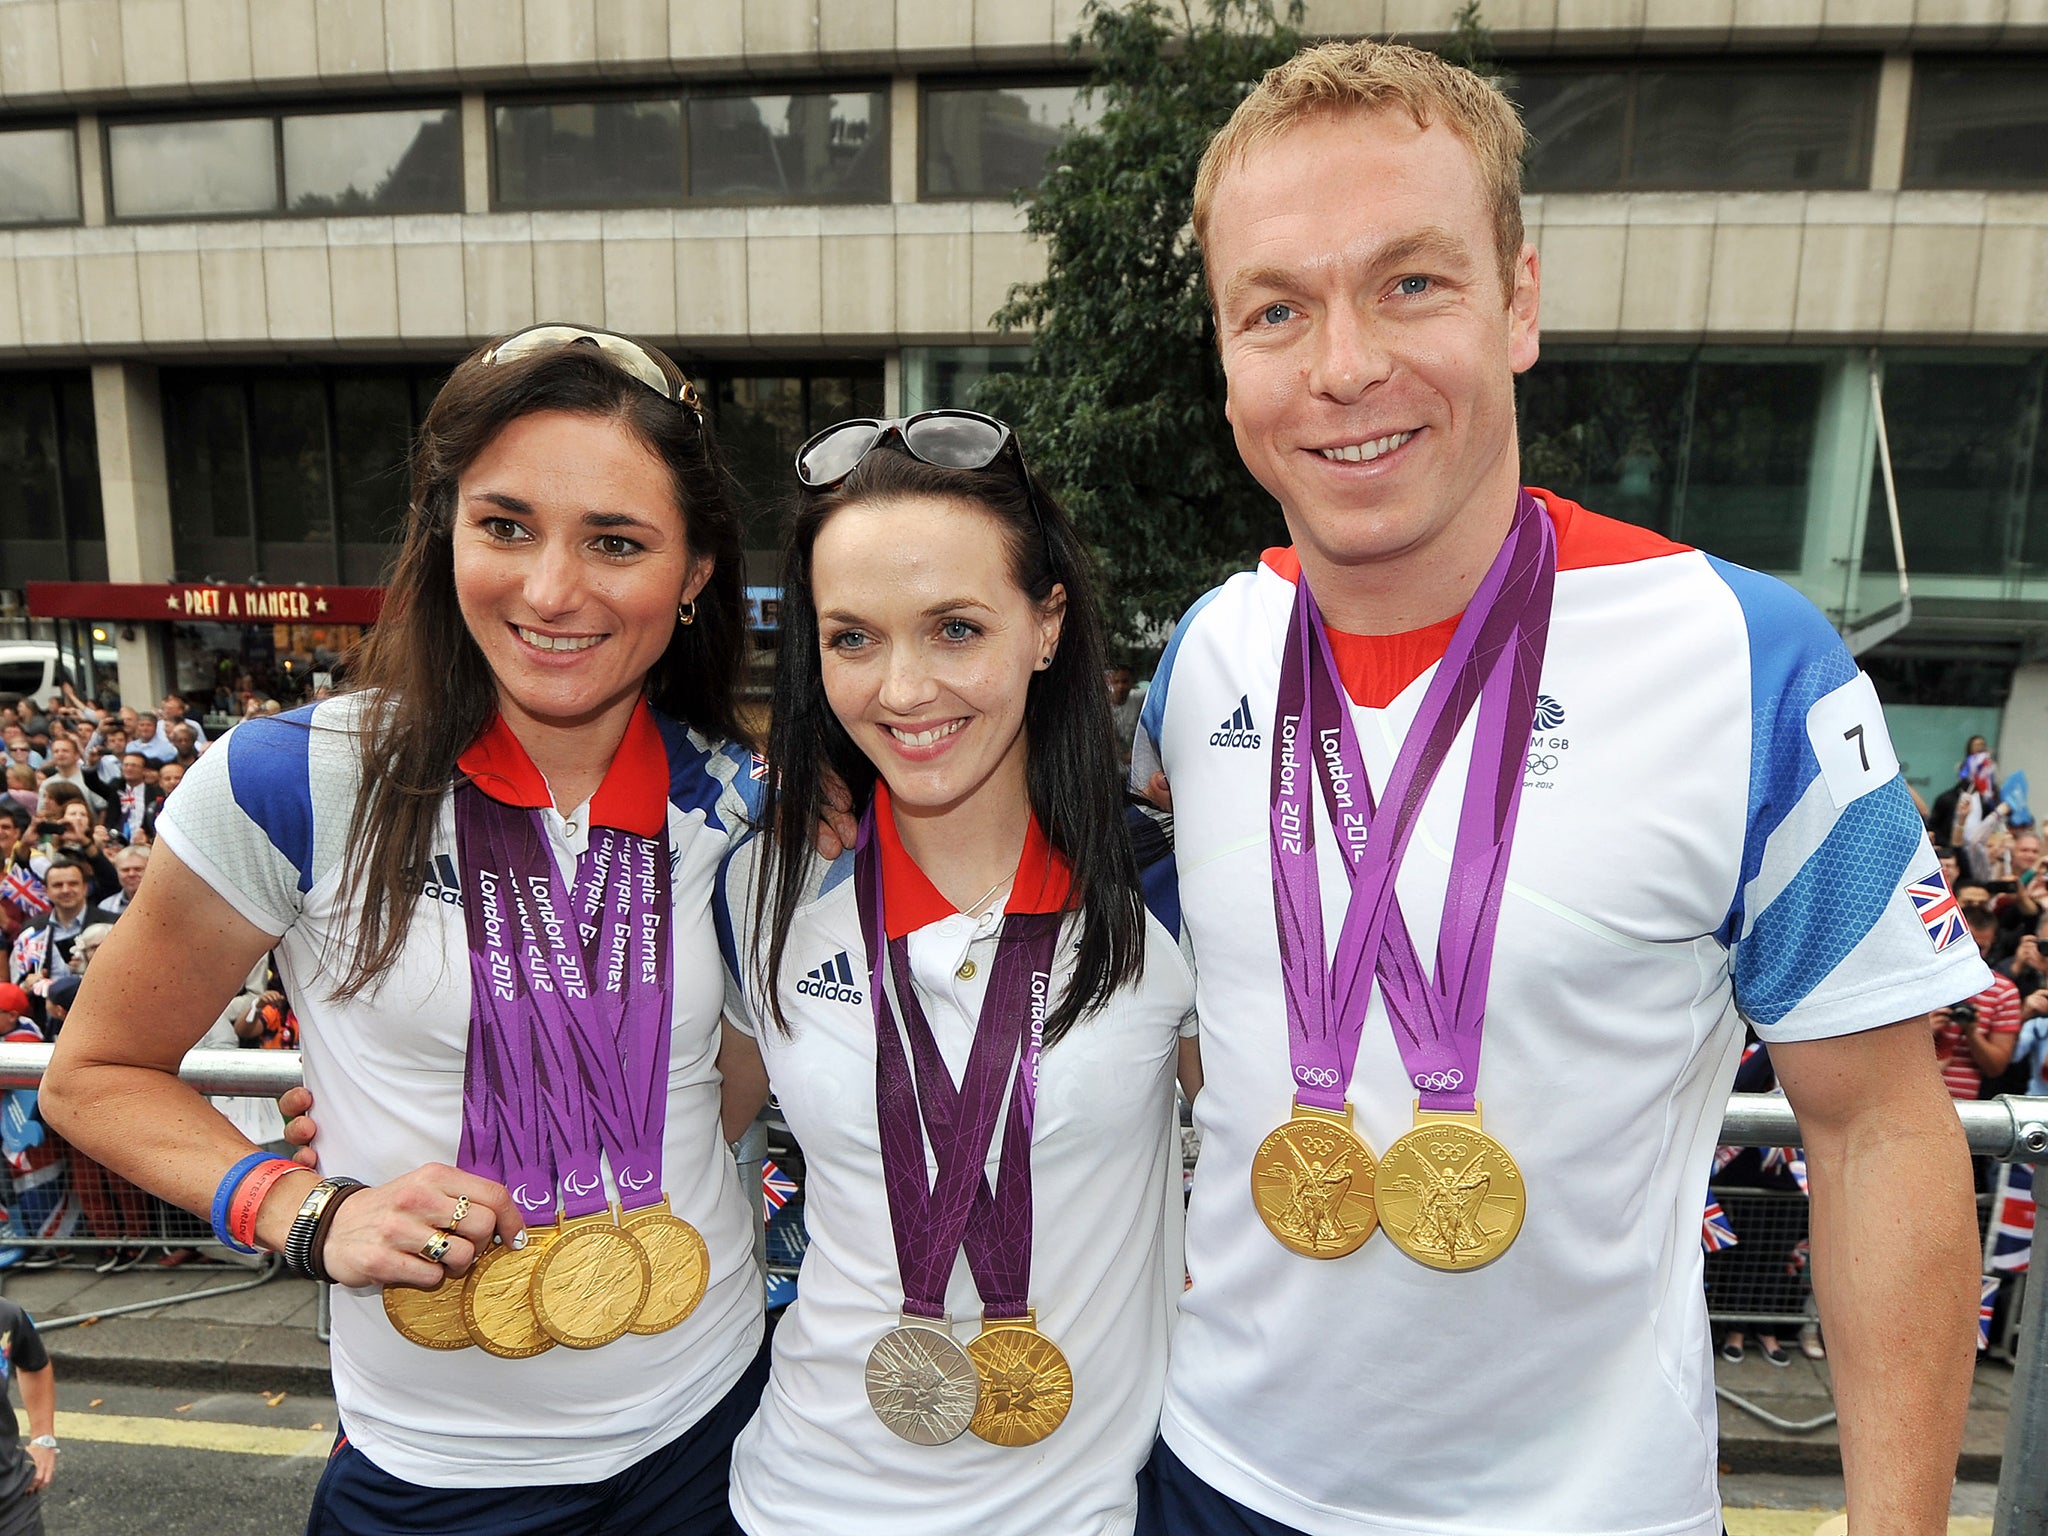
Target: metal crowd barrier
2007, 1129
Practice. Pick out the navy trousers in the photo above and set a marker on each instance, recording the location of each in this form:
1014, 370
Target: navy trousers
679, 1490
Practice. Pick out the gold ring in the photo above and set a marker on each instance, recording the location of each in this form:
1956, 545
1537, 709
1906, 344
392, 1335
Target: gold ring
461, 1210
435, 1248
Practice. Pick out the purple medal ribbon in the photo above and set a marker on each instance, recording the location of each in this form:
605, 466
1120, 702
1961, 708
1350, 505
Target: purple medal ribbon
930, 1220
999, 1229
502, 1135
1493, 662
634, 983
595, 976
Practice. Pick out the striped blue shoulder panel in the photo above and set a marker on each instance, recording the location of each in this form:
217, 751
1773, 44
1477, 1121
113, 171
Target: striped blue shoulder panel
270, 774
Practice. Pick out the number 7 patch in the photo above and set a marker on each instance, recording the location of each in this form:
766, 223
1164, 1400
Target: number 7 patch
1849, 738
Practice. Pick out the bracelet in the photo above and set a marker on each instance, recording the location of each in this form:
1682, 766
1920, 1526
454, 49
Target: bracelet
248, 1199
316, 1250
226, 1193
298, 1243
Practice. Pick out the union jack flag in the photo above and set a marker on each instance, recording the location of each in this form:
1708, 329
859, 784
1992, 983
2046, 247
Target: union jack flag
1939, 914
1987, 1303
777, 1187
1792, 1160
29, 949
1723, 1156
23, 889
758, 769
1715, 1232
2010, 1242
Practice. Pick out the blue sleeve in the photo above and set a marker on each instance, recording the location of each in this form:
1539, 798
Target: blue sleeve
1821, 882
271, 774
1152, 718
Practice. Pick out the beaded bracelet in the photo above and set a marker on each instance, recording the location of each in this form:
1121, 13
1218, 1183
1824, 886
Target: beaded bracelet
225, 1193
316, 1247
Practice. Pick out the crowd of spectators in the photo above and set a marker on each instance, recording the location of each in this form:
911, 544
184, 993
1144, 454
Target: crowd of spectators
84, 786
1993, 860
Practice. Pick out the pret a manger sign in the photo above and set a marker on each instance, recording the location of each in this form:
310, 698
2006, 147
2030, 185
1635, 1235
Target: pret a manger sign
206, 601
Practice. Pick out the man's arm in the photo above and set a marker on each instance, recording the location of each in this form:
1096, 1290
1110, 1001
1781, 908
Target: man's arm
1894, 1265
39, 1398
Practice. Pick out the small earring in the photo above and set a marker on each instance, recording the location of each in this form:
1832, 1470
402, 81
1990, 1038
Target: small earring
1044, 662
686, 611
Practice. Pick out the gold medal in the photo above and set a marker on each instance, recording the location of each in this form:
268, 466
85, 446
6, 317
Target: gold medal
497, 1298
1313, 1184
431, 1319
1026, 1384
588, 1286
1449, 1194
678, 1264
921, 1383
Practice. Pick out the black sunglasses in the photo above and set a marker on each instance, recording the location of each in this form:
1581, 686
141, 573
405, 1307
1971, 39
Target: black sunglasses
943, 439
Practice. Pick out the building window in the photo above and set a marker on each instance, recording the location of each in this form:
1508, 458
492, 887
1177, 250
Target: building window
1979, 122
589, 154
406, 160
50, 524
221, 165
940, 378
1969, 447
373, 162
39, 176
717, 147
991, 141
762, 415
1714, 451
290, 475
812, 148
1736, 124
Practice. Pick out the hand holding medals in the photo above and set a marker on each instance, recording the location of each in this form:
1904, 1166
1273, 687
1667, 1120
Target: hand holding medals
1448, 1194
1010, 1385
567, 1072
384, 1235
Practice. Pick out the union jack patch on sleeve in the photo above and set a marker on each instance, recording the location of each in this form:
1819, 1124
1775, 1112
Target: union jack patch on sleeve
1939, 914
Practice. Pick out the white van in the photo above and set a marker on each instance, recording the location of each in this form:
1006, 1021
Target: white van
30, 669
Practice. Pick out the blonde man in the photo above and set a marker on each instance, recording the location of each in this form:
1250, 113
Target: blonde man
1522, 1345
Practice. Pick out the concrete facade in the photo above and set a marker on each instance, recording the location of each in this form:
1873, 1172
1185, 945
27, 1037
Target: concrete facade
1773, 267
1881, 266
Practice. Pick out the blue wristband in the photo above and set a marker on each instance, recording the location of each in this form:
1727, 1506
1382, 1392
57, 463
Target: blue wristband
226, 1193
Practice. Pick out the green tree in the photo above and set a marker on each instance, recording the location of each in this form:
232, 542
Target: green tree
1121, 405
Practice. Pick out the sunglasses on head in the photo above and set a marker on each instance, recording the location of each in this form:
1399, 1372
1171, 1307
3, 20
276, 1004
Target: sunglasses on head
942, 439
629, 355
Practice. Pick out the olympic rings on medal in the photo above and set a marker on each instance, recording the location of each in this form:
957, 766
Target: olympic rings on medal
1440, 1082
1316, 1077
455, 1217
435, 1248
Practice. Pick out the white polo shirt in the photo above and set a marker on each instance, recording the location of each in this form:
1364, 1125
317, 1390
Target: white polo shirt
1712, 828
1106, 1254
267, 819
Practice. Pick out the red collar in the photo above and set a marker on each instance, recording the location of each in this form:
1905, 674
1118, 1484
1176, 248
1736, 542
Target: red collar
633, 797
1377, 669
910, 901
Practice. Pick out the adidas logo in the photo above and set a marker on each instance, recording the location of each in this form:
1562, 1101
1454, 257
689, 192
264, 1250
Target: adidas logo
1238, 730
442, 883
832, 981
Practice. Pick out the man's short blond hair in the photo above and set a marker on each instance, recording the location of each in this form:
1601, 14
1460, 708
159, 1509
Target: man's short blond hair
1335, 79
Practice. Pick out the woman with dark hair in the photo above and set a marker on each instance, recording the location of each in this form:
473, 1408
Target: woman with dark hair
979, 989
546, 1313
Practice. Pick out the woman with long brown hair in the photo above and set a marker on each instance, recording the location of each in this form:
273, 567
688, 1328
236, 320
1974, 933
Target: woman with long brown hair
486, 874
